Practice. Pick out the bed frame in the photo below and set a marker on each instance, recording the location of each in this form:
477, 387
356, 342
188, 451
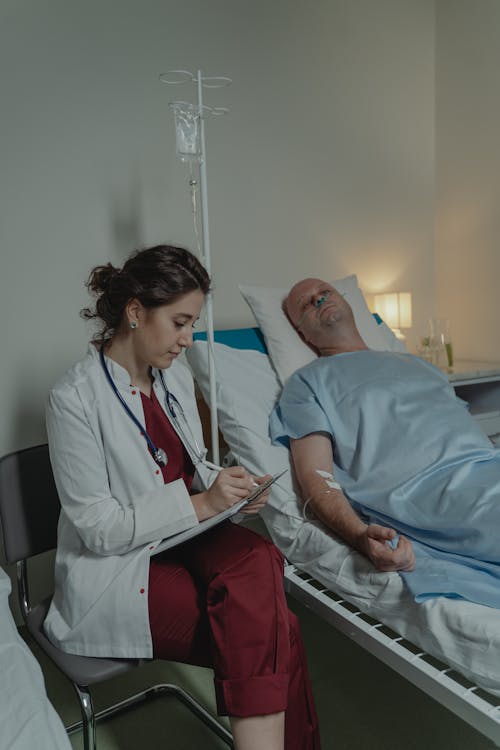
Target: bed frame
471, 703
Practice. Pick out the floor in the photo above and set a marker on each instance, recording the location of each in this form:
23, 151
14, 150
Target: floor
362, 704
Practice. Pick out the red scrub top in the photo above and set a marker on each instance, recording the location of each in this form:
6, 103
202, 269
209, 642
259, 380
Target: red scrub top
163, 435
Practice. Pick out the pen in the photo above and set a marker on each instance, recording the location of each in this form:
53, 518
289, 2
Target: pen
211, 465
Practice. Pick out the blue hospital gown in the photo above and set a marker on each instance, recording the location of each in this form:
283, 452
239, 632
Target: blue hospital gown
408, 455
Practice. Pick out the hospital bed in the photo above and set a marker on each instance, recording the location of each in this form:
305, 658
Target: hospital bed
25, 710
448, 648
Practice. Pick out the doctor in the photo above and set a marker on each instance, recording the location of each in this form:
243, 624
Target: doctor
124, 437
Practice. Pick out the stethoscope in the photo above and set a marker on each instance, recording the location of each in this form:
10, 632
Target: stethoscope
159, 454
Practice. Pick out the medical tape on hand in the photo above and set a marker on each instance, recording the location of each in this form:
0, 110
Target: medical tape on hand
331, 486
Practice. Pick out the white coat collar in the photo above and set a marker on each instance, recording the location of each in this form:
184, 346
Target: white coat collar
118, 373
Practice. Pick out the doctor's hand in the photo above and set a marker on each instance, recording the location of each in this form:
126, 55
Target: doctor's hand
230, 486
376, 545
256, 505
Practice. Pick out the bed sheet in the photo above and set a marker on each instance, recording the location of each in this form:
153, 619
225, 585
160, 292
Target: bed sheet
27, 718
464, 635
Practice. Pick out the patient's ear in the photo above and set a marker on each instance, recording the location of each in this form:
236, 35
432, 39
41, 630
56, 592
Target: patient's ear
285, 311
308, 343
299, 333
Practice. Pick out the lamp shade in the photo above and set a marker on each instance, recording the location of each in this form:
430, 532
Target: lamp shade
394, 308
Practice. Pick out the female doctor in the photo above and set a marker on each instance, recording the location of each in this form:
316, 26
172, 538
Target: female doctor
124, 437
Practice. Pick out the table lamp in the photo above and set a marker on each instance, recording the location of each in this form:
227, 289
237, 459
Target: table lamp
395, 310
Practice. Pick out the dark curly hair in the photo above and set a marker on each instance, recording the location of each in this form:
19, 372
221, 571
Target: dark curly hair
155, 276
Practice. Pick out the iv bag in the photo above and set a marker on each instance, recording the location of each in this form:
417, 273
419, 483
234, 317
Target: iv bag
187, 131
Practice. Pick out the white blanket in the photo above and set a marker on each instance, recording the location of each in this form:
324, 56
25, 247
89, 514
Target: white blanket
27, 719
464, 635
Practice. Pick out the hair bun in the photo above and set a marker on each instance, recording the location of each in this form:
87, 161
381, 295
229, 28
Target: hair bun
155, 276
101, 278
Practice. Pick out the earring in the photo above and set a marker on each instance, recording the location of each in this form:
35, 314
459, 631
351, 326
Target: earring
133, 324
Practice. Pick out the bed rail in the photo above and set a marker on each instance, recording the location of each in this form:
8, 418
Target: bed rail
470, 702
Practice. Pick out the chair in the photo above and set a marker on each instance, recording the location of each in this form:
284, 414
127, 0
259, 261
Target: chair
29, 512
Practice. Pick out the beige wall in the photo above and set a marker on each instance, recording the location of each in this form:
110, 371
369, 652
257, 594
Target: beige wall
468, 173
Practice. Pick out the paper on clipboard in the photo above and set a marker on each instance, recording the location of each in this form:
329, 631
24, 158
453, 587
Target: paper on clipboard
183, 536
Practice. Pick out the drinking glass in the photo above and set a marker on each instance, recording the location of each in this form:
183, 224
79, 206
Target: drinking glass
424, 348
440, 343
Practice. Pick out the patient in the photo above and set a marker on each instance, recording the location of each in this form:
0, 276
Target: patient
416, 485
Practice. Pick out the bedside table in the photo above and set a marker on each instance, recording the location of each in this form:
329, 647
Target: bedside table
478, 383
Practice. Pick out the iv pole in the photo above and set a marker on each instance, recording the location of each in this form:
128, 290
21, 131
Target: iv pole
214, 421
184, 76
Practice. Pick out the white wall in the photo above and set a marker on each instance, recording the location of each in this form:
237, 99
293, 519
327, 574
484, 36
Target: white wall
324, 165
468, 173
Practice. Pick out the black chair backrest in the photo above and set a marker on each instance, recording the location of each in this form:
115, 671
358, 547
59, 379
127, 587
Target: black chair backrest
29, 503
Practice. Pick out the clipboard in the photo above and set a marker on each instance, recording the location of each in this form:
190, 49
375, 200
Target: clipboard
200, 528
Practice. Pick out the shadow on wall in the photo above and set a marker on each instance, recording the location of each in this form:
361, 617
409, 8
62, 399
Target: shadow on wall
126, 220
27, 427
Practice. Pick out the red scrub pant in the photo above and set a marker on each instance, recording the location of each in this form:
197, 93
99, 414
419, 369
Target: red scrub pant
218, 601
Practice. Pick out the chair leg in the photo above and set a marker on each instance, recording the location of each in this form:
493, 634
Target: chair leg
197, 710
88, 717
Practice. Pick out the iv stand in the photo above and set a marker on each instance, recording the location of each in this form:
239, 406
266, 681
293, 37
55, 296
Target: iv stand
214, 421
184, 76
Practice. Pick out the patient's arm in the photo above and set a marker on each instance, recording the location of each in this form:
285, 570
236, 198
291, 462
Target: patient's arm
314, 452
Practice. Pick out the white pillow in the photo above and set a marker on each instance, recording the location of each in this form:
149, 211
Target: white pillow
286, 349
247, 389
393, 344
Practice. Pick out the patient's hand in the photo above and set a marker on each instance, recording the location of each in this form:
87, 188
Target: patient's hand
377, 549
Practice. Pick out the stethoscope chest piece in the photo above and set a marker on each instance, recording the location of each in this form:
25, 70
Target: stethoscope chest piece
160, 457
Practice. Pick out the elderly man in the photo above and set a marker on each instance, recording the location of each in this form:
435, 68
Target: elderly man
388, 457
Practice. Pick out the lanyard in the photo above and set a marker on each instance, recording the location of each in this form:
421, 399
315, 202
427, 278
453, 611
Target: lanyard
158, 454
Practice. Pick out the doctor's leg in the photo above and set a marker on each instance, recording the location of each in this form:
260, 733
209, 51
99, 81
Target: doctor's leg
180, 632
219, 601
257, 650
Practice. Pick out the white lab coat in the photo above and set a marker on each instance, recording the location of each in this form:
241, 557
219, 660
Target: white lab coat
115, 507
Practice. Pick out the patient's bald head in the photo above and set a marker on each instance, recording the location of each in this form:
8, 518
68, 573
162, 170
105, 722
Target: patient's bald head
323, 317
